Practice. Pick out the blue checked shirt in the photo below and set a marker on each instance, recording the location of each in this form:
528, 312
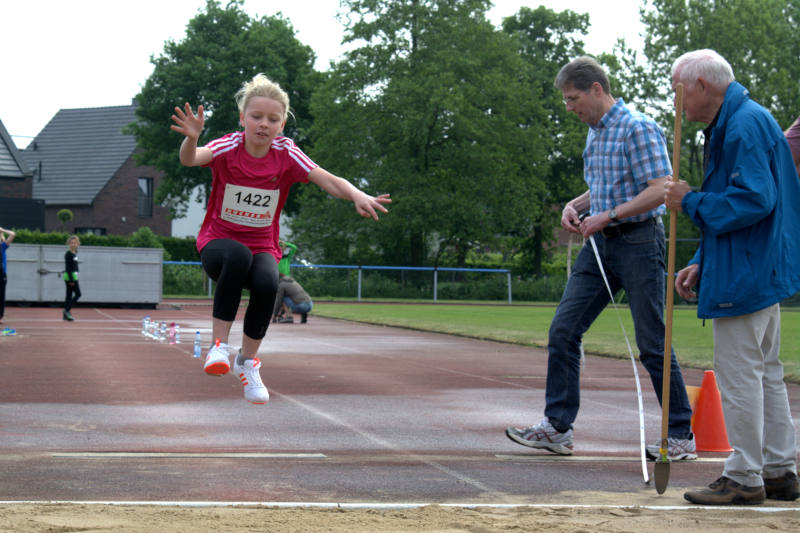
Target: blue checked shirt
623, 152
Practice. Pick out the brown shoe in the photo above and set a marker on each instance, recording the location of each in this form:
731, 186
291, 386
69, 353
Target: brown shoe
726, 491
785, 487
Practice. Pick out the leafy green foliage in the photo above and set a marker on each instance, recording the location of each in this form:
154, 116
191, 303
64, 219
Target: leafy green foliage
184, 280
766, 65
458, 120
548, 40
26, 236
64, 216
441, 110
180, 248
144, 238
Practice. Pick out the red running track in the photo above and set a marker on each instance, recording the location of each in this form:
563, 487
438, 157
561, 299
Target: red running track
93, 411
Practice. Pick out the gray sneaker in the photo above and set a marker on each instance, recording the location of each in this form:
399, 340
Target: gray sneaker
543, 436
677, 449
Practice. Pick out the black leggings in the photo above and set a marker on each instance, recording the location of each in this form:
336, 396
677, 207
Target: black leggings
73, 293
234, 267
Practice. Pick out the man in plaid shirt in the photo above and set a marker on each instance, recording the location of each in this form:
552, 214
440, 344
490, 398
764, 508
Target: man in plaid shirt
625, 166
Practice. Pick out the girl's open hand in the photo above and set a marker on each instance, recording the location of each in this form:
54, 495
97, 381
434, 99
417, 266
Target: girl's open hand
366, 205
187, 123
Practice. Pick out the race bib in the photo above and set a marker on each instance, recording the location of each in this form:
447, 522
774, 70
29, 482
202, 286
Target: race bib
249, 206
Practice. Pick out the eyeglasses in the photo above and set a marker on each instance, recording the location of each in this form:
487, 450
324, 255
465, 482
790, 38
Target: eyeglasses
570, 100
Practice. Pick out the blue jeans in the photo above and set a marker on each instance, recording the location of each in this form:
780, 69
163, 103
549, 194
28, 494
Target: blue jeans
633, 261
302, 307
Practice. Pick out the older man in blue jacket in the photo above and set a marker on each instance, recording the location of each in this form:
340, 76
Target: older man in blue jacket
748, 212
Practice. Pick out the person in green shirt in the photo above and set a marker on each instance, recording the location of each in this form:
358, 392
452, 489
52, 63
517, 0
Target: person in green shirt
284, 269
285, 264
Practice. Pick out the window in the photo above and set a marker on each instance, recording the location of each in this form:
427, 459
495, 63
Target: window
90, 231
145, 197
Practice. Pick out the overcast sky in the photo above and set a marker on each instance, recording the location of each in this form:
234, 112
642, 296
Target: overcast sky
95, 53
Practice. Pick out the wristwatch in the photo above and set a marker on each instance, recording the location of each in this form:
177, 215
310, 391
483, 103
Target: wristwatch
613, 214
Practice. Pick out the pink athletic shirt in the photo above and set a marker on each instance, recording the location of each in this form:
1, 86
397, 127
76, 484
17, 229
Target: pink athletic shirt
248, 193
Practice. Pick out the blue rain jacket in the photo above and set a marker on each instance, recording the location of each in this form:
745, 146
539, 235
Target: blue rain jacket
748, 210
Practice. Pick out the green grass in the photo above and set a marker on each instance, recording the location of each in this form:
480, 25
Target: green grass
528, 325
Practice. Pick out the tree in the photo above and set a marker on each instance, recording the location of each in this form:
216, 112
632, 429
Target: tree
432, 109
64, 216
222, 49
766, 65
548, 40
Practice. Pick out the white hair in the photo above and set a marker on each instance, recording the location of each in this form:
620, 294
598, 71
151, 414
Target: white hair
706, 63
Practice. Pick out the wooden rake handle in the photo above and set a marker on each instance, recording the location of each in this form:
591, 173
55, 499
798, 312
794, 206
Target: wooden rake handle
673, 224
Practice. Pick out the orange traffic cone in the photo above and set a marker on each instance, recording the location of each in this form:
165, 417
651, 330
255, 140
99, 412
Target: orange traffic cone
708, 422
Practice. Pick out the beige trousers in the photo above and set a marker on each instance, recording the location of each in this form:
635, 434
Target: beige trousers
754, 399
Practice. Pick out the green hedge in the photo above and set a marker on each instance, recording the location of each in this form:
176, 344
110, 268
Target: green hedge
26, 236
175, 248
184, 280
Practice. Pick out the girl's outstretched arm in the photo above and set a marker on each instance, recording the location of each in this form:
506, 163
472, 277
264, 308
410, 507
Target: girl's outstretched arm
191, 125
366, 205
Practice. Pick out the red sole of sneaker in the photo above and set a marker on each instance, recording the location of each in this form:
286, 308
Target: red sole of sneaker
217, 369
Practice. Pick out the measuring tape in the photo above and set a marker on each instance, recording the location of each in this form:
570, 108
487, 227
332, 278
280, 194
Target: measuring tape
633, 360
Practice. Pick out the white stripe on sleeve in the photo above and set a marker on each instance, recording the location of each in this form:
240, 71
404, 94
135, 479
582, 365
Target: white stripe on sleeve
226, 143
305, 162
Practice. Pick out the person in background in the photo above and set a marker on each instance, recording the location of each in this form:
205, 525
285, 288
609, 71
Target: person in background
793, 137
285, 264
6, 238
293, 297
71, 276
625, 166
748, 212
252, 173
285, 269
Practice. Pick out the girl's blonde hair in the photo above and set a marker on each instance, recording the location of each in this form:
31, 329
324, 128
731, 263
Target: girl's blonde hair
71, 237
260, 85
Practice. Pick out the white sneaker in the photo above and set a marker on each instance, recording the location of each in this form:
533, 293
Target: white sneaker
217, 360
677, 449
544, 436
248, 374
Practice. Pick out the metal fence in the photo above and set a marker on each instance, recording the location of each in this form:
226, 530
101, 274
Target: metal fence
360, 269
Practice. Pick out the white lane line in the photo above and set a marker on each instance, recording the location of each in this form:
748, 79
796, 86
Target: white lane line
113, 318
288, 455
184, 455
401, 505
592, 459
386, 444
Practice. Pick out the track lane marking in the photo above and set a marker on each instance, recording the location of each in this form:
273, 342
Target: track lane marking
404, 505
387, 445
184, 455
593, 459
